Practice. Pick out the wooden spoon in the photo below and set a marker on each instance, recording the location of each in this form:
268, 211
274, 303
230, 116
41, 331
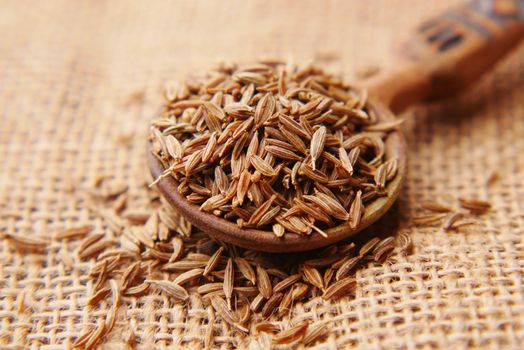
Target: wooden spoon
444, 56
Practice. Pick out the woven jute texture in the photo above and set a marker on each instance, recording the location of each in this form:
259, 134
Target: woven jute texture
77, 79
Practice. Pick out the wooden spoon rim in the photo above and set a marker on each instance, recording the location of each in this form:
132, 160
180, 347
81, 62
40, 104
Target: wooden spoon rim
224, 230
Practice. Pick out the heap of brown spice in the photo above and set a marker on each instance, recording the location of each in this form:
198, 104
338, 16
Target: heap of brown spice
275, 147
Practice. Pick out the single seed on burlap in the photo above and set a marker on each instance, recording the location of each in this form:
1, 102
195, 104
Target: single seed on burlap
25, 242
287, 282
73, 232
89, 240
266, 327
292, 334
403, 241
285, 303
187, 276
322, 262
328, 275
340, 288
96, 335
313, 276
223, 310
451, 220
429, 219
263, 282
245, 269
229, 281
314, 332
210, 287
368, 246
271, 305
244, 314
95, 248
129, 274
98, 296
110, 264
257, 303
249, 291
476, 206
84, 337
210, 331
380, 255
213, 261
347, 267
184, 265
178, 248
102, 276
436, 207
171, 289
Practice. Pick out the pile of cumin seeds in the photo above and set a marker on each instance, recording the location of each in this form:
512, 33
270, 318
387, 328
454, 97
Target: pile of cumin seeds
146, 248
274, 147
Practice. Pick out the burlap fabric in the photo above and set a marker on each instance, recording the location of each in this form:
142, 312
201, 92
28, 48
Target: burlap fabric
72, 78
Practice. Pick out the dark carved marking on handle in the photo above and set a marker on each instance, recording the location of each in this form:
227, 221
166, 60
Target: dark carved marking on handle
444, 33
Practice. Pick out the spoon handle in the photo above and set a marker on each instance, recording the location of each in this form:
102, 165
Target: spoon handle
447, 53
